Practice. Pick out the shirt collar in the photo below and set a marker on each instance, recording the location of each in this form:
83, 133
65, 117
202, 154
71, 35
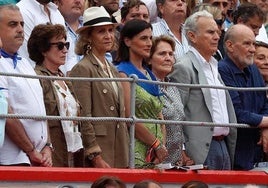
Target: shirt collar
201, 59
236, 70
50, 5
14, 57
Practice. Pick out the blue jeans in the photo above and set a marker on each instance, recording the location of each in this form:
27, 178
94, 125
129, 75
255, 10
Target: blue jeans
218, 157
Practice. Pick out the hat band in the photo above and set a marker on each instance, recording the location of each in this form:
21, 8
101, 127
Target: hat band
97, 20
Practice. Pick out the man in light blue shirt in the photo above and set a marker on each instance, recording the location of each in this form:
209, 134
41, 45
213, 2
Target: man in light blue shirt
72, 11
172, 14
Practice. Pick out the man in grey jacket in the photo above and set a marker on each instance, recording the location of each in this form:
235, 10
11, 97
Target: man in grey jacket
211, 146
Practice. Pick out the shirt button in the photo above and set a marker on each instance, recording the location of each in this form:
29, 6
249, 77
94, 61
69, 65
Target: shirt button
207, 144
104, 90
112, 108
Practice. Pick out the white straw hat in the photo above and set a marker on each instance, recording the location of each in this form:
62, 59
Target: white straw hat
95, 16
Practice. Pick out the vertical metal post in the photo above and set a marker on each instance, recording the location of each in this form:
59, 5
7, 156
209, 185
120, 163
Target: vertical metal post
132, 125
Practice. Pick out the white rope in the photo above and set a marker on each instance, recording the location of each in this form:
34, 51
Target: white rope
128, 120
133, 80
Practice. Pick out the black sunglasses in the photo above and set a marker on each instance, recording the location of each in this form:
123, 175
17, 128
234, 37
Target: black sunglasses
61, 45
219, 22
217, 4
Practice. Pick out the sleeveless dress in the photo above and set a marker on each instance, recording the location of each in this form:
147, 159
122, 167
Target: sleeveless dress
148, 106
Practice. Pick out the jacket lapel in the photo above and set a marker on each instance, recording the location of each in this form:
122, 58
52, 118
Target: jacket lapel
202, 81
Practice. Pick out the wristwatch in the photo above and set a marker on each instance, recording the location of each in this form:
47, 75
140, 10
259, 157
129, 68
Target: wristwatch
50, 146
91, 156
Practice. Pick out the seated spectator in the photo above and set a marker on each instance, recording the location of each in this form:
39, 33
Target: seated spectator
134, 47
194, 184
106, 143
48, 48
147, 184
161, 63
108, 182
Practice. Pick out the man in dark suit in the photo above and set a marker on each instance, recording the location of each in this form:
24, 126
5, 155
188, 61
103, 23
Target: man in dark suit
211, 146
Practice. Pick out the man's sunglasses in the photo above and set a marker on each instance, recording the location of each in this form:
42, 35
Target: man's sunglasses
217, 4
219, 22
61, 45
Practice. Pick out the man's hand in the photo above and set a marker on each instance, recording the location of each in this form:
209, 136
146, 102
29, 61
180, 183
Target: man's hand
46, 157
35, 157
264, 139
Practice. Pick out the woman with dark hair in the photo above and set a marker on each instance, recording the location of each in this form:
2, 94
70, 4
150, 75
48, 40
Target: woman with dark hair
134, 47
106, 143
47, 46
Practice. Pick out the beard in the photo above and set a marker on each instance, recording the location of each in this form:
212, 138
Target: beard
249, 60
44, 1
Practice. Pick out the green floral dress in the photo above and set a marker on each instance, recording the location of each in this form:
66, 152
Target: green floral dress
147, 107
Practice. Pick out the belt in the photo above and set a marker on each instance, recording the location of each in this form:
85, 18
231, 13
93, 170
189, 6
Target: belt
218, 138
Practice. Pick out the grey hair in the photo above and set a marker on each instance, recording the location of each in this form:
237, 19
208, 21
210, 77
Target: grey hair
191, 22
8, 7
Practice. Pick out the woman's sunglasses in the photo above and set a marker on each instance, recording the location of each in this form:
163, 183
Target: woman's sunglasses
61, 45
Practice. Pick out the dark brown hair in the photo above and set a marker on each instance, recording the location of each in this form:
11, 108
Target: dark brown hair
130, 30
104, 181
195, 184
39, 41
129, 5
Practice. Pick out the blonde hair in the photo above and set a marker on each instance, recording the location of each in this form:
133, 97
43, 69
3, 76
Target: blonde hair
215, 11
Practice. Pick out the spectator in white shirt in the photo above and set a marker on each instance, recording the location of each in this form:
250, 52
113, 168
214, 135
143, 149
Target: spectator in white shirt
26, 140
36, 12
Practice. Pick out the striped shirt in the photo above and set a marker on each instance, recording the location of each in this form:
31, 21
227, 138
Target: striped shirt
161, 28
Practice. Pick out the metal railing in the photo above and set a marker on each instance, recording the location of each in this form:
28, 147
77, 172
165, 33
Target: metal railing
132, 120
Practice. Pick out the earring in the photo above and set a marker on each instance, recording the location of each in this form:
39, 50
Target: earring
88, 48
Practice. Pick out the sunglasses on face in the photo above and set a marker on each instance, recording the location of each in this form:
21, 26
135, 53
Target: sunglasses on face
60, 45
219, 22
217, 4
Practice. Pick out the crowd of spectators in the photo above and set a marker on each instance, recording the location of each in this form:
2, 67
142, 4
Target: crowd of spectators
211, 42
